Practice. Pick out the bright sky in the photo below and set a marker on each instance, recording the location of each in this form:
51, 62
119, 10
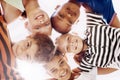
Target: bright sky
35, 71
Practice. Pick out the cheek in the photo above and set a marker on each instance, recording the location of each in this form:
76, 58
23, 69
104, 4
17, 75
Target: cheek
54, 75
20, 56
29, 27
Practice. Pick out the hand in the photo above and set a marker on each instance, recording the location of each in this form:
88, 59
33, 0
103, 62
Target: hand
78, 57
75, 74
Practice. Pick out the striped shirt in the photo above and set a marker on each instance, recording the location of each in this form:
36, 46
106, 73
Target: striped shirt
103, 44
7, 58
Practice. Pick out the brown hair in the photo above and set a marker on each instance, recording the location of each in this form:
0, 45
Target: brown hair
46, 48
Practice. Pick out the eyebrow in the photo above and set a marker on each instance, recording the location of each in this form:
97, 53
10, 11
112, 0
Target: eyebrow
60, 60
56, 64
51, 69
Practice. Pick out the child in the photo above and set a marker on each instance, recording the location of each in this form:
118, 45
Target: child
65, 16
38, 20
63, 19
35, 48
101, 47
58, 67
60, 70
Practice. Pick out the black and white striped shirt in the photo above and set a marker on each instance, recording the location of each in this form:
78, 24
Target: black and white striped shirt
103, 42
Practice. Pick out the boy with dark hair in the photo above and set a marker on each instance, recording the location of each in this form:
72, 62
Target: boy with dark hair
35, 48
63, 19
58, 68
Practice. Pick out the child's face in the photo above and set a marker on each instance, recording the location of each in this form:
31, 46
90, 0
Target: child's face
58, 68
39, 21
69, 43
65, 16
25, 49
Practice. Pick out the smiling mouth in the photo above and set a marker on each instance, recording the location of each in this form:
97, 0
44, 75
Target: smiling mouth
69, 15
39, 16
64, 74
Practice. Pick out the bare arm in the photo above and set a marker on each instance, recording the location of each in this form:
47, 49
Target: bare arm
10, 12
102, 71
30, 5
115, 22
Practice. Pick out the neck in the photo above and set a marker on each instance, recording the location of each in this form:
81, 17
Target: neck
84, 46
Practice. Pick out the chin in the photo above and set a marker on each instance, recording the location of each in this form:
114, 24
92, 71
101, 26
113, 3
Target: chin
67, 77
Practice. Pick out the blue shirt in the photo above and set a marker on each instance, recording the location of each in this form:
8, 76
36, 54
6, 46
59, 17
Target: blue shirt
104, 7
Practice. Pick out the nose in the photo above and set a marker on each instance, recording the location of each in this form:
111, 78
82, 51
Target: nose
72, 43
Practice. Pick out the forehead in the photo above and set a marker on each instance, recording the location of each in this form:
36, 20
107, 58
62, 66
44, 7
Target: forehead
54, 62
68, 4
63, 37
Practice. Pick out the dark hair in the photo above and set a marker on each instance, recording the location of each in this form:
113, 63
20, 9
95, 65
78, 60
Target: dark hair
57, 53
46, 48
24, 14
58, 29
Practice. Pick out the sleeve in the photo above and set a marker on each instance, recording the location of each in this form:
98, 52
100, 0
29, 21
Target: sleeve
85, 66
104, 7
92, 75
7, 59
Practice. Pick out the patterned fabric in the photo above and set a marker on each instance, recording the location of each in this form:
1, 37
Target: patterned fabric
7, 58
103, 42
104, 7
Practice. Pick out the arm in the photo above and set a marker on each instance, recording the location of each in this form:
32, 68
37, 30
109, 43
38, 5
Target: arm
10, 12
102, 71
27, 5
105, 8
115, 22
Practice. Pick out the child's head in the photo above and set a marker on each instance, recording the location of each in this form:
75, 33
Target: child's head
39, 21
69, 43
63, 19
58, 67
37, 47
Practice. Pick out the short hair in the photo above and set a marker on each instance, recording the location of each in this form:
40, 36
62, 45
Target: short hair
57, 28
45, 48
57, 53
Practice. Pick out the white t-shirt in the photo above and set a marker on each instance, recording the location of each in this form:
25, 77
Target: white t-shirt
88, 75
16, 3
